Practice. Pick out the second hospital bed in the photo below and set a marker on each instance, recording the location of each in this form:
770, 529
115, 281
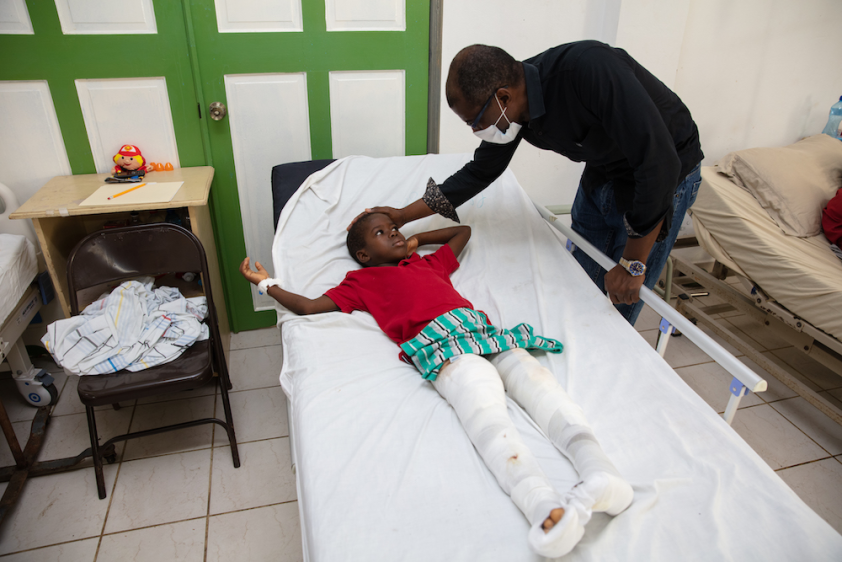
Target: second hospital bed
384, 469
792, 284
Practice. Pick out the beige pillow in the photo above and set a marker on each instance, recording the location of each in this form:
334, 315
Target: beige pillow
793, 183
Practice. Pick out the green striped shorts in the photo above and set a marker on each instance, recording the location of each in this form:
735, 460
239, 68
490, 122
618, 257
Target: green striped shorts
464, 330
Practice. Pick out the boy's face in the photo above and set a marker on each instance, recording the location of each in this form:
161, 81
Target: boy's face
384, 243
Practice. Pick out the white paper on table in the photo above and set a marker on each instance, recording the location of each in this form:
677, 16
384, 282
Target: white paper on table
151, 192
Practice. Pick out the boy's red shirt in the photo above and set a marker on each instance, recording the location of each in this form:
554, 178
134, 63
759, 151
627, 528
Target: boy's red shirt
832, 219
405, 298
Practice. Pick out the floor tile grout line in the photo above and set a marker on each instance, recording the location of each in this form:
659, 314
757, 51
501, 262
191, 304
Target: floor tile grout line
801, 430
114, 486
103, 535
803, 463
254, 441
252, 508
145, 527
210, 471
34, 548
790, 422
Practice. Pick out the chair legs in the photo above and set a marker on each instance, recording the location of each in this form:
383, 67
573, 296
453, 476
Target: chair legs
229, 420
95, 452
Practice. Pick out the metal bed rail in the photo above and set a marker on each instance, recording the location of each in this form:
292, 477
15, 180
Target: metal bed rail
745, 380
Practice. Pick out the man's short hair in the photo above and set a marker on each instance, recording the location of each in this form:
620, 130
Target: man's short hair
481, 70
356, 236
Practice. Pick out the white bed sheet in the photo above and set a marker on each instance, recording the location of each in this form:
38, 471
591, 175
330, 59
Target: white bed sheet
384, 469
18, 268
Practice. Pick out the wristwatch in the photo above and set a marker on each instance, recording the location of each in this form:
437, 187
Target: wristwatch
634, 267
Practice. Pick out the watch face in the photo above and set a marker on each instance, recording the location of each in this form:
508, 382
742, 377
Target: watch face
636, 268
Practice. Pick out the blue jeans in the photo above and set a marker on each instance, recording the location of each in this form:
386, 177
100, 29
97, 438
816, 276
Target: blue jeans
595, 216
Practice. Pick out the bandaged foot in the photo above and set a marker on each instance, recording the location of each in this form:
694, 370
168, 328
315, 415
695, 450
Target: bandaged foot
472, 386
611, 494
535, 388
560, 532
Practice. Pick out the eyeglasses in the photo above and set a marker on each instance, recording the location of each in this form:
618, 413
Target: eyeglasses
484, 107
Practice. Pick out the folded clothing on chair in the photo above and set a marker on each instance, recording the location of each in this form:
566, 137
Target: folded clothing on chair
135, 327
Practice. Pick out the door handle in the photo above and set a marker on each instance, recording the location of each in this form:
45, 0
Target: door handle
218, 111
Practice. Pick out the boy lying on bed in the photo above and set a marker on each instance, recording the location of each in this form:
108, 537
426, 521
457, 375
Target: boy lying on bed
415, 304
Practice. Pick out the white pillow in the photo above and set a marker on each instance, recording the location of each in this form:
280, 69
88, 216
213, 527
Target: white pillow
793, 183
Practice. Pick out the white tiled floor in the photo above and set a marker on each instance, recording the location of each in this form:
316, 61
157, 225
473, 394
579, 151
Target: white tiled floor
173, 496
177, 496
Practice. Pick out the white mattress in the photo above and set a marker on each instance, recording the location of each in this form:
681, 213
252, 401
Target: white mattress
18, 268
384, 469
802, 274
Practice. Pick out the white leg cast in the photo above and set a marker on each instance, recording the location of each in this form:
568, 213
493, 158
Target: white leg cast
535, 388
473, 388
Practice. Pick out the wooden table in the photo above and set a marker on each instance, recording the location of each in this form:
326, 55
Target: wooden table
61, 223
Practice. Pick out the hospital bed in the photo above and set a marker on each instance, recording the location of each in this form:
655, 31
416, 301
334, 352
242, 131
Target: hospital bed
791, 284
21, 292
384, 470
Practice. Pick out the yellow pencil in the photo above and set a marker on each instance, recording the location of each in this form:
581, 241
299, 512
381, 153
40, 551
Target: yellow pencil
124, 192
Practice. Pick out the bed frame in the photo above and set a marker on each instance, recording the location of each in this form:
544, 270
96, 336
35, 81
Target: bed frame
692, 275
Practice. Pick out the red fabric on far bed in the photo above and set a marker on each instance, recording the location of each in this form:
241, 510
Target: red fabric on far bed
832, 219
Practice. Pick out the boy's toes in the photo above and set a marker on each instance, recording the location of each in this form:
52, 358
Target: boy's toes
561, 537
555, 517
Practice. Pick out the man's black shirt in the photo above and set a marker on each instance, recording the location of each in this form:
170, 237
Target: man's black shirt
593, 103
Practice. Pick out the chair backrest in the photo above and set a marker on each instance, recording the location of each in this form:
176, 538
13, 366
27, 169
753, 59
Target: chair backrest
116, 254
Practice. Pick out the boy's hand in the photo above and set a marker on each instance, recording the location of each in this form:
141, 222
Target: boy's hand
254, 277
411, 245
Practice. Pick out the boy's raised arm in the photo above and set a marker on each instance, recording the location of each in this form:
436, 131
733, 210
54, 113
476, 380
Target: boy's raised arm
296, 303
456, 237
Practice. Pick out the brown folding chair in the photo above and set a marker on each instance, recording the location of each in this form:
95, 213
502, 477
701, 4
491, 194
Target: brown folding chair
119, 254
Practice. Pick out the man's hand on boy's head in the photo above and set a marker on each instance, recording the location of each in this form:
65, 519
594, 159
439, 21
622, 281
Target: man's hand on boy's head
396, 215
252, 276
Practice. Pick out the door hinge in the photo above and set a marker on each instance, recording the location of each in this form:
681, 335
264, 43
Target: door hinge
199, 107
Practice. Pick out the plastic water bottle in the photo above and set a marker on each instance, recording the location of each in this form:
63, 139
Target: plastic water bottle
834, 122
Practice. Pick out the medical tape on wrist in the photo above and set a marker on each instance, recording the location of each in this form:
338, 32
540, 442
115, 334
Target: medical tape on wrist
263, 286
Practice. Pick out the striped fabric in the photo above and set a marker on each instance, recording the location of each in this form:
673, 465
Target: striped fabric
135, 327
464, 330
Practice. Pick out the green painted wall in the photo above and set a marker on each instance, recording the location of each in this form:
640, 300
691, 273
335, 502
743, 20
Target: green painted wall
61, 59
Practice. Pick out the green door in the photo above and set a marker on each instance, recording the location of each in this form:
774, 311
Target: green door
299, 95
62, 57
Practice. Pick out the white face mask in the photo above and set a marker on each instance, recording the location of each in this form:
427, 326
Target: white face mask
494, 135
